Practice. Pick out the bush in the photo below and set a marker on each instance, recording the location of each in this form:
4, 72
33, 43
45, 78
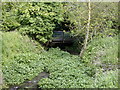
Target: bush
37, 20
102, 52
66, 71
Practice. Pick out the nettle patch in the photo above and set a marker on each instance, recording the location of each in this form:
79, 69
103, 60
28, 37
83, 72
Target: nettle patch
65, 70
23, 67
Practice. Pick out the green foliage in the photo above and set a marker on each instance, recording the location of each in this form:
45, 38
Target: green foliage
23, 67
1, 77
14, 43
19, 57
23, 59
108, 79
37, 20
103, 21
9, 16
66, 71
103, 53
103, 50
74, 74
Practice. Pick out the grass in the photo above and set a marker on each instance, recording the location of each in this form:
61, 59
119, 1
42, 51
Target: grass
109, 79
13, 44
0, 61
23, 59
102, 51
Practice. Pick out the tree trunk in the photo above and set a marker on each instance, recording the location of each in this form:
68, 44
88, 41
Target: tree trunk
87, 30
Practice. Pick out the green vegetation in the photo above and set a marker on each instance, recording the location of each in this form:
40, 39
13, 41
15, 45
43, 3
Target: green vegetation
66, 70
102, 18
26, 25
108, 79
37, 20
25, 61
27, 66
22, 67
96, 73
14, 43
102, 51
0, 60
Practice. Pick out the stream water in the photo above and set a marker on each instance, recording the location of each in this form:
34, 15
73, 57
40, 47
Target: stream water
31, 84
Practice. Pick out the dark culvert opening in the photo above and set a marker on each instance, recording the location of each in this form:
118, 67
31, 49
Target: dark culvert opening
73, 47
64, 39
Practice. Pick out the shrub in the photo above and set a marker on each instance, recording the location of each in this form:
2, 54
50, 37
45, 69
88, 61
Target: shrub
66, 71
37, 20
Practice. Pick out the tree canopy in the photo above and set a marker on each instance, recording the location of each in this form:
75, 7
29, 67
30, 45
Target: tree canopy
39, 19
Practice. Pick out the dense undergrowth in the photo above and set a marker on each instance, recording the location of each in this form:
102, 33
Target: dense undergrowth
95, 69
103, 52
13, 45
23, 60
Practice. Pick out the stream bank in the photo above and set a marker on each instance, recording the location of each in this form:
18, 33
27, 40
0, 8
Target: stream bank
31, 84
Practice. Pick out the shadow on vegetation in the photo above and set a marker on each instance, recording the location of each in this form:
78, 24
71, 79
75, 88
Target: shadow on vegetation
31, 84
